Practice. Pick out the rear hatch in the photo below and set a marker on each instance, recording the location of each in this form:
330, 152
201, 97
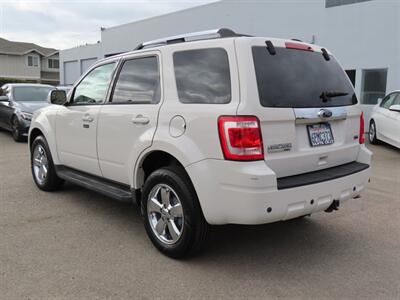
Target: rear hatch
305, 103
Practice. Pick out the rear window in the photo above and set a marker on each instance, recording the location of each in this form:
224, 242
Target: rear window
31, 93
202, 76
295, 78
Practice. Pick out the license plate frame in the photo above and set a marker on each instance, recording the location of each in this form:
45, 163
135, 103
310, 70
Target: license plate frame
320, 134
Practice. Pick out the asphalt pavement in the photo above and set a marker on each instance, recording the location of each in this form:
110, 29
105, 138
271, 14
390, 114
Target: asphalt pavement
76, 244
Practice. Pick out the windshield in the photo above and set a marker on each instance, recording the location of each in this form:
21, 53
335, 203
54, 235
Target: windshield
31, 93
295, 78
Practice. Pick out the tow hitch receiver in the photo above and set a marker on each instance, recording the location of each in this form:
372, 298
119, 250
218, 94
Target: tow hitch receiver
334, 206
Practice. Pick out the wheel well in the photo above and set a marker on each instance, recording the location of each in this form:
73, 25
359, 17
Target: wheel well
34, 134
156, 160
12, 118
153, 161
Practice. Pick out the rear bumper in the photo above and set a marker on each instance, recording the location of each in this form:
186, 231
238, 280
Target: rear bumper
247, 192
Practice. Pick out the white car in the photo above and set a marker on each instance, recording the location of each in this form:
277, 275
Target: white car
385, 121
208, 128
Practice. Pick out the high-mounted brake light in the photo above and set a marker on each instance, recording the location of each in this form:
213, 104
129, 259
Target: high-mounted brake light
362, 129
241, 138
298, 46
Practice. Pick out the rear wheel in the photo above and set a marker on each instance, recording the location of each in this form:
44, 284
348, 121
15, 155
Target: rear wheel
173, 217
42, 166
15, 130
372, 133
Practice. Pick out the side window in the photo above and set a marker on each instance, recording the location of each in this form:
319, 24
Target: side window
203, 76
93, 88
397, 101
388, 101
138, 82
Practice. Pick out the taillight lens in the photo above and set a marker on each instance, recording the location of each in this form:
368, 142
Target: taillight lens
362, 129
298, 46
241, 138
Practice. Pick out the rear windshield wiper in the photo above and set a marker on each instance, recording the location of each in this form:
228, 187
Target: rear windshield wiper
326, 96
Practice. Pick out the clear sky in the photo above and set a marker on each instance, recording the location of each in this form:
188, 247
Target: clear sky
64, 24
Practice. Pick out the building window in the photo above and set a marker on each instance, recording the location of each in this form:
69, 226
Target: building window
352, 76
373, 85
33, 61
332, 3
53, 63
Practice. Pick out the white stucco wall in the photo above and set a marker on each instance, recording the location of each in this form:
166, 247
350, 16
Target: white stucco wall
365, 36
80, 55
362, 36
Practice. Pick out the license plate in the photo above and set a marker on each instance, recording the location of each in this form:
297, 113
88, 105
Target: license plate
320, 134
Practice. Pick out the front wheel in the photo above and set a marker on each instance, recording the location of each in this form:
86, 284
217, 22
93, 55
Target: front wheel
372, 133
42, 166
173, 217
15, 130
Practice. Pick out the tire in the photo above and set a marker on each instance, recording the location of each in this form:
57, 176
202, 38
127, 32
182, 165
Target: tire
41, 156
372, 133
15, 130
190, 228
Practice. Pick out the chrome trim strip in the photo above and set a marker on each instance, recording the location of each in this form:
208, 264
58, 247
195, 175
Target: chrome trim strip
314, 115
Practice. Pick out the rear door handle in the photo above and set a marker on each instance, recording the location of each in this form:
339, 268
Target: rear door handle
87, 118
140, 120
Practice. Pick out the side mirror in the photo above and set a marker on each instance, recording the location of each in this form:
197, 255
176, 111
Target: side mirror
379, 101
1, 92
4, 99
58, 97
395, 107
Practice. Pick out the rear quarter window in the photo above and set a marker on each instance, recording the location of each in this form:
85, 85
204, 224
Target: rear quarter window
203, 76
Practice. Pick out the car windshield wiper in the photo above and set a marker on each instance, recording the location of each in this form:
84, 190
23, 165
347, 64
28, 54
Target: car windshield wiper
326, 96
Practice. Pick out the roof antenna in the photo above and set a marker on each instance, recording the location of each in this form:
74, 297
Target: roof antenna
270, 48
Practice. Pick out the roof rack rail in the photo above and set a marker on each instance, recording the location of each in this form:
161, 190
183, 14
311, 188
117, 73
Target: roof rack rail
189, 37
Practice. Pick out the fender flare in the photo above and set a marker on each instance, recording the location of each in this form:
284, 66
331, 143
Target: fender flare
138, 174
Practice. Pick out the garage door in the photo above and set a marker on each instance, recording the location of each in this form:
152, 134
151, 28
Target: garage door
71, 72
87, 63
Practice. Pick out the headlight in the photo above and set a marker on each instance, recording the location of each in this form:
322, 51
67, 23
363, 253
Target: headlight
26, 116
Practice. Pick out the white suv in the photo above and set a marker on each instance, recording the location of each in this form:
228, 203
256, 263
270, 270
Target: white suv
208, 128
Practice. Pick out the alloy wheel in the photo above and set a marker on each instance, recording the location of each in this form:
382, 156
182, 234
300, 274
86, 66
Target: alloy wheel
165, 214
372, 132
15, 128
40, 164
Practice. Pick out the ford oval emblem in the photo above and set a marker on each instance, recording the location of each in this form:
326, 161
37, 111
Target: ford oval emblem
324, 113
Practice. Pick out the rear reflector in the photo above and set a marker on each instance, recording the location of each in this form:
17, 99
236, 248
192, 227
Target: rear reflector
241, 138
298, 46
362, 129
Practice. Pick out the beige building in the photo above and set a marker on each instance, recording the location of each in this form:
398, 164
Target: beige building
27, 62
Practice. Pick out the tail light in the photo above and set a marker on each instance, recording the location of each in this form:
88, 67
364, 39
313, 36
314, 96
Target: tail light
241, 138
362, 129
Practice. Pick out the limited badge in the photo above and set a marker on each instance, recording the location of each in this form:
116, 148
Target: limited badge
279, 147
